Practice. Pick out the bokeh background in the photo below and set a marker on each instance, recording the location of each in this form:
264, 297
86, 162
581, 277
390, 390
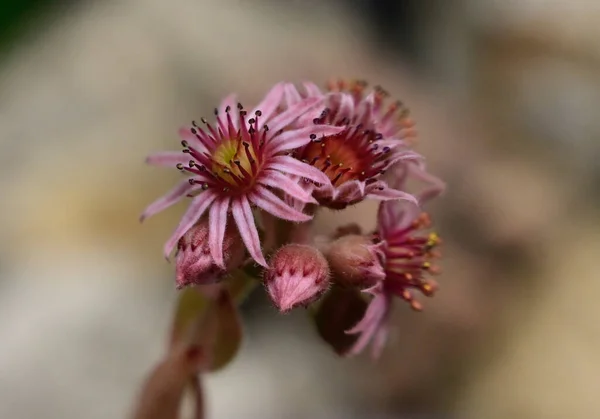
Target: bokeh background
506, 96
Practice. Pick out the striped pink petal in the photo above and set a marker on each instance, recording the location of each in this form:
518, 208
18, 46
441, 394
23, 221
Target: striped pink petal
186, 134
289, 186
242, 214
167, 158
373, 322
346, 106
396, 215
291, 94
350, 191
436, 185
312, 90
170, 198
216, 233
229, 101
269, 202
196, 209
292, 113
270, 103
291, 140
381, 191
365, 108
293, 166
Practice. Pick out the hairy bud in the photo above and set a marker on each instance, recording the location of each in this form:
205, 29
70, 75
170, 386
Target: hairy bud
194, 263
355, 261
297, 276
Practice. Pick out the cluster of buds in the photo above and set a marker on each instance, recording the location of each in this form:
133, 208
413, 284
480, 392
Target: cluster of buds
257, 178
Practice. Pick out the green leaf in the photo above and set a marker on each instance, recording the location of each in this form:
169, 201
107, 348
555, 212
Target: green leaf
191, 307
340, 309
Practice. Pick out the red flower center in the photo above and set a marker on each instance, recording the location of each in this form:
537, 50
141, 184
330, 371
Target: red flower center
350, 155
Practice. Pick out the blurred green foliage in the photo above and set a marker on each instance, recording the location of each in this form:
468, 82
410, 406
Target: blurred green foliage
17, 17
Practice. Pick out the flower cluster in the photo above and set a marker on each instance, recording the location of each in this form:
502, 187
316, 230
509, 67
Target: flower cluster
255, 180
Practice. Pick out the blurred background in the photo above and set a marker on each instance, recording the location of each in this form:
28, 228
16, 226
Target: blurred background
505, 95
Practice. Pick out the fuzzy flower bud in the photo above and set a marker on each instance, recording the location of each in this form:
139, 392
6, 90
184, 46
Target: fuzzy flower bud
194, 262
356, 261
298, 275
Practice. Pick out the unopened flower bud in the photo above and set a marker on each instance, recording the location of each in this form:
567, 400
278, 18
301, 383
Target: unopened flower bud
298, 275
355, 261
194, 263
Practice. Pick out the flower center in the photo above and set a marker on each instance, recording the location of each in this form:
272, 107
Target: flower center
350, 155
232, 161
409, 260
231, 155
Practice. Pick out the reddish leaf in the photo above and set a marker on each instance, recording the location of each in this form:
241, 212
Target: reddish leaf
227, 336
162, 393
339, 310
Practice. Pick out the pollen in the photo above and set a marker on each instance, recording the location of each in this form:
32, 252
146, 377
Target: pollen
410, 260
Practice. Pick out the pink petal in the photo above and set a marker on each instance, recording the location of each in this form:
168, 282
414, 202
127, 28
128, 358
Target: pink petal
171, 198
269, 202
242, 214
294, 166
288, 186
312, 90
350, 191
292, 113
291, 94
401, 155
231, 101
396, 215
346, 106
365, 108
380, 190
192, 215
392, 143
167, 158
185, 133
387, 217
437, 185
374, 320
379, 341
290, 140
308, 187
269, 104
216, 233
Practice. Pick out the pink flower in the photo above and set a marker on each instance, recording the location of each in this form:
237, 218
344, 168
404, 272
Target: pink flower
408, 263
356, 158
194, 262
298, 275
391, 121
238, 164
